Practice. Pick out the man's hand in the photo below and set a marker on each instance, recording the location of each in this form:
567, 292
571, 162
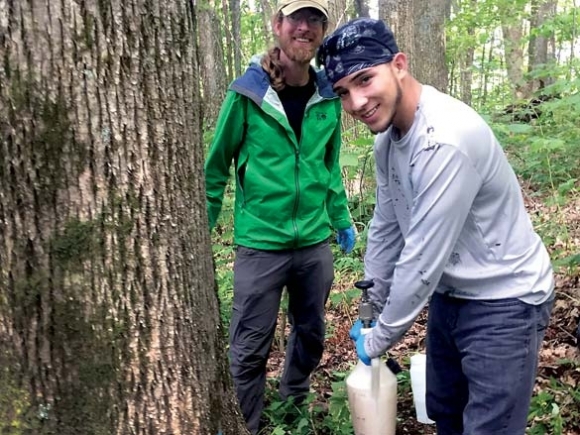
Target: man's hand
361, 352
355, 331
346, 239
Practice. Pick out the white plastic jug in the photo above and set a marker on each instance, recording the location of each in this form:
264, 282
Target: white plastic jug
418, 386
372, 398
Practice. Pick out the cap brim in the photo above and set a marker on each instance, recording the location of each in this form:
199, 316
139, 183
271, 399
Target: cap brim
294, 6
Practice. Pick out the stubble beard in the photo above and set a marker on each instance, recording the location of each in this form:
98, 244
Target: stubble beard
398, 98
302, 56
297, 54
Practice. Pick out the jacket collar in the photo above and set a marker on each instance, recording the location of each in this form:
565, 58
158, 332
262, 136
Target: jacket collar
254, 83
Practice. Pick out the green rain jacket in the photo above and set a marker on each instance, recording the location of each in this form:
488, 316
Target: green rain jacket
288, 193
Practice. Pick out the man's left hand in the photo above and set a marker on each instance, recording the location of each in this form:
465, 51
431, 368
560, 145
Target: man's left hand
346, 239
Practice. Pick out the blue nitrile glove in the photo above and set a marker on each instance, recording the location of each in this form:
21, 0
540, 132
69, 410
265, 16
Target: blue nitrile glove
356, 328
360, 350
346, 239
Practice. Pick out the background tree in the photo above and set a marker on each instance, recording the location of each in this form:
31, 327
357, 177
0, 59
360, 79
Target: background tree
213, 75
460, 49
235, 11
419, 26
541, 48
400, 17
511, 16
361, 8
267, 13
429, 64
229, 41
109, 321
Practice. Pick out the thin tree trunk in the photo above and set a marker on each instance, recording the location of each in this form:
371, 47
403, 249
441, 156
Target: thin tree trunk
229, 40
538, 49
466, 75
512, 32
236, 15
109, 320
267, 14
213, 71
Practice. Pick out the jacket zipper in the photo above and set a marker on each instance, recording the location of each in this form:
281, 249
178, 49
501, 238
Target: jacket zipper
313, 100
297, 200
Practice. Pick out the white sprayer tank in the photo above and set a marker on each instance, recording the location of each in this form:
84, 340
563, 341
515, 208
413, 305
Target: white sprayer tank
372, 398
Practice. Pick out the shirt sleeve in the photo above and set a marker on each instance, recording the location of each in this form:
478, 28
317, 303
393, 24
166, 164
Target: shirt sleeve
336, 200
229, 134
444, 183
384, 239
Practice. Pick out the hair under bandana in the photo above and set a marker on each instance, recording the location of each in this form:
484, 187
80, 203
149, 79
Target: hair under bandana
359, 44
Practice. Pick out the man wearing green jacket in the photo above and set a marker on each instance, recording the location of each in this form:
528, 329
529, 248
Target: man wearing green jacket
280, 124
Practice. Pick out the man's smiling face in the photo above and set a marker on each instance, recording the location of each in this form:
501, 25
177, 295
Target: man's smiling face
371, 95
300, 34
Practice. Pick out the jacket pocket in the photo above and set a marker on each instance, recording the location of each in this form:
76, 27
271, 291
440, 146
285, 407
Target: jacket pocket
241, 179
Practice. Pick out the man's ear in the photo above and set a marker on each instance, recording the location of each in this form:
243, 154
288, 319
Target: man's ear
276, 24
400, 63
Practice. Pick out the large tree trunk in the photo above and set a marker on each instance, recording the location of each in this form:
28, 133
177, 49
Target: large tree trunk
109, 321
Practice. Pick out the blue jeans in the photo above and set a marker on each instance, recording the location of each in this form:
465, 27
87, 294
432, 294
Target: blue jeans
482, 358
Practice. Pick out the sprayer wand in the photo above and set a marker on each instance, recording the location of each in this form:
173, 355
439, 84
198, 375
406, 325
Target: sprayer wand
372, 388
365, 314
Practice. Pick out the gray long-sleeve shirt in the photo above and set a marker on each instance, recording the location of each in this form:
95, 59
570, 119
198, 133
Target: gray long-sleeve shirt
449, 217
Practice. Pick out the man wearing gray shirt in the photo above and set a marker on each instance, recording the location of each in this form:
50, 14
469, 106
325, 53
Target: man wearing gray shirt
449, 227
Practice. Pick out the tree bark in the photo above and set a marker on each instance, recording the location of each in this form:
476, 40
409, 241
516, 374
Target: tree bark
388, 13
267, 15
419, 28
235, 10
539, 53
109, 319
514, 58
512, 25
213, 71
404, 30
429, 64
361, 8
229, 48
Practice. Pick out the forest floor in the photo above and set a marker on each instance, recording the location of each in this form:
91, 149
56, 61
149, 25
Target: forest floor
558, 380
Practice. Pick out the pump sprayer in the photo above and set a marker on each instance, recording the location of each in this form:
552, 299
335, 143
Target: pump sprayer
372, 391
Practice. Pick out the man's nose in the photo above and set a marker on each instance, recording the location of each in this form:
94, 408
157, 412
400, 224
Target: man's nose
358, 101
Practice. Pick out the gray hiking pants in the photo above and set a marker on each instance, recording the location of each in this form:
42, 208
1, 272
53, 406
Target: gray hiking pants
259, 277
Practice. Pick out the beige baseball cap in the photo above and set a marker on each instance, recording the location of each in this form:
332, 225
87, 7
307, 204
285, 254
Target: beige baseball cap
290, 6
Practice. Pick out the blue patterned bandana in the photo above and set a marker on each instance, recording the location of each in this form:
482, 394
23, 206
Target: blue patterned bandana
359, 44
